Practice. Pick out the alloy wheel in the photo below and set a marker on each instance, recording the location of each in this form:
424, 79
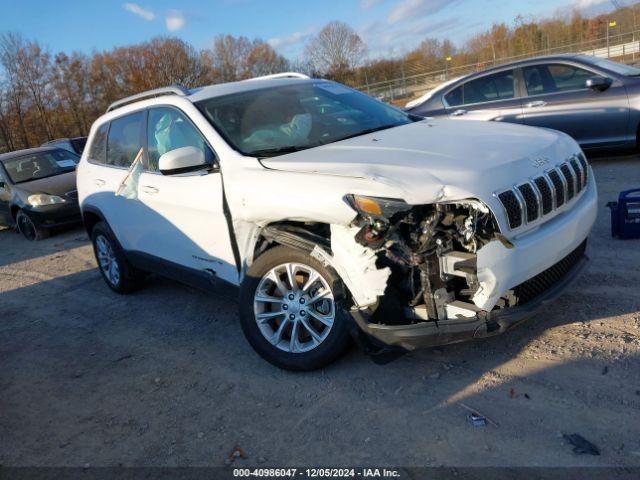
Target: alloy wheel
107, 260
294, 307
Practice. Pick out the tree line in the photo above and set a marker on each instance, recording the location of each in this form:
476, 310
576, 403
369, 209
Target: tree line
46, 95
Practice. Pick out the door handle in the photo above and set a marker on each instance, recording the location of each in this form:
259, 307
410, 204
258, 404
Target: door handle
459, 113
538, 103
150, 190
99, 182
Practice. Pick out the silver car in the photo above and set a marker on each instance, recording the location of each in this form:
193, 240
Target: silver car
594, 100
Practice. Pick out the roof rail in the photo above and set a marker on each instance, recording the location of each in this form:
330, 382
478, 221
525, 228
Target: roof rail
158, 92
281, 75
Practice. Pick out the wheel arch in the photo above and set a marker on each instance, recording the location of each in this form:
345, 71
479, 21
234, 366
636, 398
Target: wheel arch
90, 217
294, 234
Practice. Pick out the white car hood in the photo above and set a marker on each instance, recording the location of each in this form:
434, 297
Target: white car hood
435, 160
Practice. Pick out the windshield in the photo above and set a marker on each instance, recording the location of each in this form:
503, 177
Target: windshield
615, 67
278, 120
40, 165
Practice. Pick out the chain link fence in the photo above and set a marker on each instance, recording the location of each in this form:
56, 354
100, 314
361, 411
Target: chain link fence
623, 47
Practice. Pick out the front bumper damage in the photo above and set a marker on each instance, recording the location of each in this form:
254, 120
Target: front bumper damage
505, 283
483, 324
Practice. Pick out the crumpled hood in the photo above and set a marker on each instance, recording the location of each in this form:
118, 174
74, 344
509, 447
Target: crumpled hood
438, 159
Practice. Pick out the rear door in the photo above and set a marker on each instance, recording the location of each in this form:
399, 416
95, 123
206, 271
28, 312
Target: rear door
557, 97
490, 97
114, 148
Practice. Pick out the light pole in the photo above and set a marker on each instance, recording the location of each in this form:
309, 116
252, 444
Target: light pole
612, 23
446, 66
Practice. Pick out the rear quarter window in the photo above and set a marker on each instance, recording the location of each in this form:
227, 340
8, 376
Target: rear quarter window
98, 147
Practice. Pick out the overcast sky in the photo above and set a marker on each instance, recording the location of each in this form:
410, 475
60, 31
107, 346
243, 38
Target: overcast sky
387, 26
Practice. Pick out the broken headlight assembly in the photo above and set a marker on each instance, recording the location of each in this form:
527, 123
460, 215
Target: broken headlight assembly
376, 207
430, 249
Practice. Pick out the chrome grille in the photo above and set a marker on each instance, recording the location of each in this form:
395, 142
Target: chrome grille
578, 171
558, 186
585, 169
545, 191
512, 207
530, 201
533, 200
568, 176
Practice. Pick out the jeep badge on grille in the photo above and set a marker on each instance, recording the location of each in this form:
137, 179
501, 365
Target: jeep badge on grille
539, 162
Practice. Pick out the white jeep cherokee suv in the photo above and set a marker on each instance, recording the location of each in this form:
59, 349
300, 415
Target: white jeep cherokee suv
339, 217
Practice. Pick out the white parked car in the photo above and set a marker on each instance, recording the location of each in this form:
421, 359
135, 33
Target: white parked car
338, 216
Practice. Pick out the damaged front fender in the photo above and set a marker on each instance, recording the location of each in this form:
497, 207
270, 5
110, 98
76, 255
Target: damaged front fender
356, 265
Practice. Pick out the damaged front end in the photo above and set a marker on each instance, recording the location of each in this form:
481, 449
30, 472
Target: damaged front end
413, 272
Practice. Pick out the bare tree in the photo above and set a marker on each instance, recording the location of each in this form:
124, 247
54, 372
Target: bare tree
173, 61
71, 84
237, 58
264, 60
336, 50
16, 91
32, 67
227, 57
5, 122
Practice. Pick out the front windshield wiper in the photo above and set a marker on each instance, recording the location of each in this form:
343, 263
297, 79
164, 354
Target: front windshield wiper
272, 152
364, 132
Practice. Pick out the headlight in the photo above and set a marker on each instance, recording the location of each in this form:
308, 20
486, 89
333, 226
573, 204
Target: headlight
41, 199
376, 207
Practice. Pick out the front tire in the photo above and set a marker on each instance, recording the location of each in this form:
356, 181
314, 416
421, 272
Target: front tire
291, 309
28, 228
117, 272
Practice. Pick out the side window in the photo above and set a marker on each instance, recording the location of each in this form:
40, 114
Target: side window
169, 129
454, 97
98, 147
568, 77
552, 78
489, 88
124, 139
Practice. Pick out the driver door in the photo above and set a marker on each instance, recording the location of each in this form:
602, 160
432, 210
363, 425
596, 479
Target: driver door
558, 98
183, 220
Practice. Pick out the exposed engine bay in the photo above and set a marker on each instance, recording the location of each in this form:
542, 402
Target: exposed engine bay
430, 251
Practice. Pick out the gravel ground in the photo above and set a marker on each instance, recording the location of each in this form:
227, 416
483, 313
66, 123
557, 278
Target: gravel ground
164, 377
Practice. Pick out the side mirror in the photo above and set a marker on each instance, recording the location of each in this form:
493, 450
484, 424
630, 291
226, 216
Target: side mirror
599, 83
182, 160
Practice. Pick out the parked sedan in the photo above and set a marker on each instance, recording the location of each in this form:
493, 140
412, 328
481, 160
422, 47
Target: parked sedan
594, 100
38, 190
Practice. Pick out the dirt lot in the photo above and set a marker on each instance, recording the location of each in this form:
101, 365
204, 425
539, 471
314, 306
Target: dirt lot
164, 377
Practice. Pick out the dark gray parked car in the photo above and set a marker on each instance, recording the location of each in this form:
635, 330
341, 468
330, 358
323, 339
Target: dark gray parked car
594, 100
75, 145
38, 190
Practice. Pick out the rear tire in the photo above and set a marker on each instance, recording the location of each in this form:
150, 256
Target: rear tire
295, 326
117, 272
28, 228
